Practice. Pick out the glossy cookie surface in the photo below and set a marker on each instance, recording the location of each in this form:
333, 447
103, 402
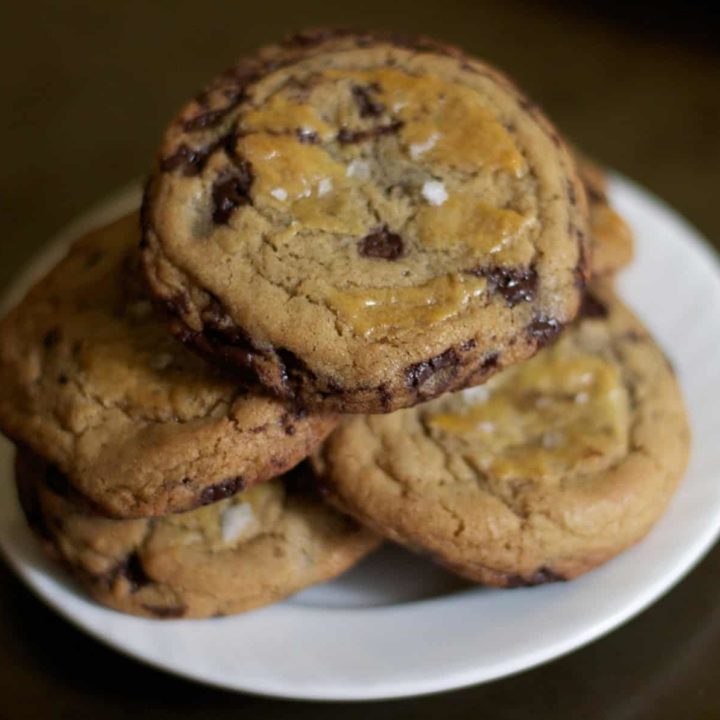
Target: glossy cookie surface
365, 221
548, 470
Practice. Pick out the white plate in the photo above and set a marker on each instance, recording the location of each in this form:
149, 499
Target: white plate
396, 626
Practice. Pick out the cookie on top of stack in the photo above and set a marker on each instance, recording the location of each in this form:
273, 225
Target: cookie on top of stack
366, 236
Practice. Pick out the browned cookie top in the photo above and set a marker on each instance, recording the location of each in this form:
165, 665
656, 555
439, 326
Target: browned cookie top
546, 471
365, 221
240, 553
92, 380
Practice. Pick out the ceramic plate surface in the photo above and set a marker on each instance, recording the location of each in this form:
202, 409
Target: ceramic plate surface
396, 626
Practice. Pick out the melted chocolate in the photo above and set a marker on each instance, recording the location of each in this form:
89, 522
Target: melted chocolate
516, 285
349, 137
212, 118
190, 161
540, 577
367, 106
308, 137
382, 243
133, 571
544, 329
232, 192
419, 373
220, 491
491, 361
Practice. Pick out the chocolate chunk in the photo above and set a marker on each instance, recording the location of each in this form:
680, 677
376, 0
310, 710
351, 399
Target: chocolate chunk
166, 613
232, 192
133, 571
540, 577
208, 119
226, 92
220, 338
418, 374
229, 346
228, 143
516, 285
544, 329
348, 137
382, 243
483, 369
290, 361
490, 361
367, 107
308, 137
190, 161
592, 307
179, 303
287, 423
300, 412
291, 366
468, 345
225, 489
212, 118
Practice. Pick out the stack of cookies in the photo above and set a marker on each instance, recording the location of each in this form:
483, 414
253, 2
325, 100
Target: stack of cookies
370, 251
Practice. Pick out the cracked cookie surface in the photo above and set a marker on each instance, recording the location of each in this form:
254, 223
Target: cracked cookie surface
240, 553
365, 221
91, 379
546, 471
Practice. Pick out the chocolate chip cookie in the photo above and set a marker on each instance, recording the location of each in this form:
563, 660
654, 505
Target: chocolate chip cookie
611, 239
543, 473
365, 221
257, 547
91, 379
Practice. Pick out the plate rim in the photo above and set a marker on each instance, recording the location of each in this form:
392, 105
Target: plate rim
472, 675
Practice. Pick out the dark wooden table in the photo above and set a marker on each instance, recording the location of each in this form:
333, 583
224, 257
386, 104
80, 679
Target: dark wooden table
86, 88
